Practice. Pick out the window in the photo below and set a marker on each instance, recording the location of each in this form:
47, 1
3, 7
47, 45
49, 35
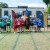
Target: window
5, 13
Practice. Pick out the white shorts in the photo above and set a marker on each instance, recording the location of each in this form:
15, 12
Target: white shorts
35, 25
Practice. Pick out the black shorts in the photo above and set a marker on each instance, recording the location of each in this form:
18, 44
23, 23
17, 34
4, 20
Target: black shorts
27, 27
39, 26
8, 24
22, 25
18, 25
15, 27
31, 24
2, 27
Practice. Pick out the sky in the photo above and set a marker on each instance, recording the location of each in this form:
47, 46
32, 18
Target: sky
29, 3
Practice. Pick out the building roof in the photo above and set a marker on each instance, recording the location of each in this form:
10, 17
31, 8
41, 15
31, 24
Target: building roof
29, 7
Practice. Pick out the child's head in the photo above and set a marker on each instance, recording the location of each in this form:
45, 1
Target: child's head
35, 19
39, 19
2, 20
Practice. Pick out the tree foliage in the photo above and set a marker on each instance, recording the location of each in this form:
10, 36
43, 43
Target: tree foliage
0, 11
3, 5
49, 10
46, 2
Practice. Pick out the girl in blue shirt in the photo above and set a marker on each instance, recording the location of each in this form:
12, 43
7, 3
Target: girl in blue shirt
2, 25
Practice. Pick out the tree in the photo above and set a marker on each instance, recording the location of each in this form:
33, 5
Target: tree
0, 11
3, 5
49, 10
46, 2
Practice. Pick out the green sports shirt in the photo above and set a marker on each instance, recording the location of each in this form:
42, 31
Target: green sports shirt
8, 21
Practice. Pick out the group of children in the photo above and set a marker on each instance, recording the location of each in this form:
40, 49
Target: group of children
29, 24
18, 23
3, 24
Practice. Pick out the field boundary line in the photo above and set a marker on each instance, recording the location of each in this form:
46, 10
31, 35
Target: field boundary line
16, 42
4, 36
34, 42
46, 36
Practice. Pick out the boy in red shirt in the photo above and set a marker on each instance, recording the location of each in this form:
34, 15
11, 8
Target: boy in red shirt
15, 25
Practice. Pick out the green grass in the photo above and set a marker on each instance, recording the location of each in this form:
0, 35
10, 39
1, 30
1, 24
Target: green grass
25, 41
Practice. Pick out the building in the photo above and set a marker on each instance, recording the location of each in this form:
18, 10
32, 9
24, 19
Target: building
21, 10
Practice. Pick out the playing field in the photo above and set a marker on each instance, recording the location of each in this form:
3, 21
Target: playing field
25, 41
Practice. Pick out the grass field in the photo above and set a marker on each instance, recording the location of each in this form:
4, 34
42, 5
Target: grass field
25, 41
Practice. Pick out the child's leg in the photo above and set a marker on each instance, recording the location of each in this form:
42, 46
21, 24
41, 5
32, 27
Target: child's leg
22, 28
7, 28
30, 28
0, 28
26, 30
19, 29
35, 28
40, 29
14, 29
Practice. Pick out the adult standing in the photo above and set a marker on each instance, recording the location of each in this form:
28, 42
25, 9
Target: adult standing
5, 25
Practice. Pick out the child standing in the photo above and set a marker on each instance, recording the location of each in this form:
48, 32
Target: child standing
39, 25
31, 25
2, 25
35, 25
8, 24
15, 25
5, 25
